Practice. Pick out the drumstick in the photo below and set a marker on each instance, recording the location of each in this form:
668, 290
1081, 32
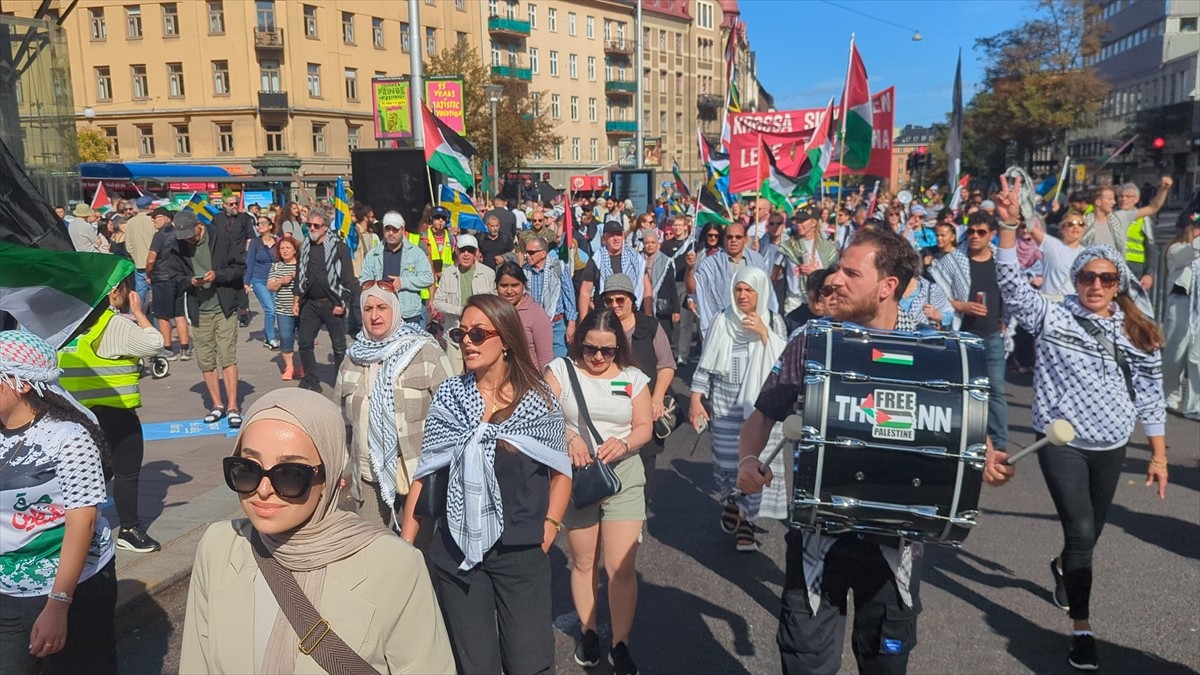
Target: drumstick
1058, 432
793, 430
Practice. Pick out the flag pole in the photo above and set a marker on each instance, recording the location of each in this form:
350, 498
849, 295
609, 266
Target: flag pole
1062, 177
761, 159
842, 158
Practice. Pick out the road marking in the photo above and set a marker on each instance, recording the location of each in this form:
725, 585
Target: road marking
164, 431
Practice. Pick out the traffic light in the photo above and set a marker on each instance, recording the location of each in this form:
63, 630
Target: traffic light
911, 165
1159, 143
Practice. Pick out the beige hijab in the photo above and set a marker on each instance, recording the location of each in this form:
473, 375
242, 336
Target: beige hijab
329, 535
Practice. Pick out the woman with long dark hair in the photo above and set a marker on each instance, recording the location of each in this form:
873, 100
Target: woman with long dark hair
1098, 367
58, 584
260, 255
290, 222
495, 444
511, 285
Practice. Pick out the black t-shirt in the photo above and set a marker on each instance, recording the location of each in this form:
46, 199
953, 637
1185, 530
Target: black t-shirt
592, 272
508, 221
168, 265
490, 248
983, 280
318, 280
670, 247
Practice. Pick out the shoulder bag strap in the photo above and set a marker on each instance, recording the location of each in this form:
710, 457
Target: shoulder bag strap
581, 401
1112, 350
317, 638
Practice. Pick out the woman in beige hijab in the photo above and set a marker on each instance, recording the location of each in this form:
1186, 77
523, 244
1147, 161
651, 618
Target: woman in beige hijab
369, 588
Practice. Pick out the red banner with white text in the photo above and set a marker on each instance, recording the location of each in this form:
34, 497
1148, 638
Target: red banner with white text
787, 131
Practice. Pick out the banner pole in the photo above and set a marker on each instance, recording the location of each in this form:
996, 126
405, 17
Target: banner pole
842, 134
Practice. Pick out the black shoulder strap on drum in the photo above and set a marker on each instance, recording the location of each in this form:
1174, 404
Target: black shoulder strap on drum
1107, 345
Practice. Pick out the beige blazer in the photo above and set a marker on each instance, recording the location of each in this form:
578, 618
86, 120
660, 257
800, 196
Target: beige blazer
380, 601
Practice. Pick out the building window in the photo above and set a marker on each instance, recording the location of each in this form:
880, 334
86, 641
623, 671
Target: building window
404, 46
589, 28
99, 27
533, 60
268, 71
571, 24
175, 80
1187, 24
593, 150
574, 108
678, 43
591, 110
575, 149
532, 15
430, 40
310, 21
460, 5
552, 19
554, 108
170, 12
141, 88
351, 84
461, 37
377, 32
216, 17
704, 15
348, 28
352, 133
591, 63
558, 152
264, 15
573, 66
111, 134
679, 84
662, 123
133, 22
145, 133
493, 7
224, 138
314, 80
553, 63
318, 138
274, 138
220, 78
536, 100
103, 83
183, 139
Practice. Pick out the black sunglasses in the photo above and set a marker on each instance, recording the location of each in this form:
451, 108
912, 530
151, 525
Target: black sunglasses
1107, 279
290, 480
467, 249
972, 232
476, 335
607, 352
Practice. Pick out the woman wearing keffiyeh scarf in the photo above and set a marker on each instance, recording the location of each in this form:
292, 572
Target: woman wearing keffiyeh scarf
495, 438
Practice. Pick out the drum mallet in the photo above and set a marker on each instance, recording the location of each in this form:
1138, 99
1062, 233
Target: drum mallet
793, 430
1058, 432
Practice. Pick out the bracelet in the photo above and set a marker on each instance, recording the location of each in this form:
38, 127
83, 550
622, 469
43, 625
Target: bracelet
60, 597
624, 443
1158, 462
1006, 226
746, 458
557, 525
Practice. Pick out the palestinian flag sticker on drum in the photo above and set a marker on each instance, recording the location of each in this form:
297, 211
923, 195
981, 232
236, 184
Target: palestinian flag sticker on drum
893, 358
622, 389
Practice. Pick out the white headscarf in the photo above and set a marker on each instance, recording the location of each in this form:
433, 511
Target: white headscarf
727, 330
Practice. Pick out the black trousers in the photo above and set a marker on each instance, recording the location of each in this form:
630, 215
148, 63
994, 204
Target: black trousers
509, 590
123, 430
1082, 484
314, 315
884, 631
91, 630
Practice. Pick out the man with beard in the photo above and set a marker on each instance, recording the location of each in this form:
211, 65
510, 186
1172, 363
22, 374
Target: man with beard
240, 226
712, 277
882, 570
613, 258
495, 246
324, 286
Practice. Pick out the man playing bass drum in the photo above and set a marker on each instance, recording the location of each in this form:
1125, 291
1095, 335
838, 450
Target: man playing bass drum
883, 571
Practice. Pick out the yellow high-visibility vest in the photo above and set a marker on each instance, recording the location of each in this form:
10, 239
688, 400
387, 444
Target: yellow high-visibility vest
94, 380
445, 252
1135, 242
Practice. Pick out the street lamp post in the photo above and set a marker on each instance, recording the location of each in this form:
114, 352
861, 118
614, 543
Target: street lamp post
493, 93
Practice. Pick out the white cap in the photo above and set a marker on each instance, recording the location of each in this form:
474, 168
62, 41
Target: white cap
393, 220
465, 240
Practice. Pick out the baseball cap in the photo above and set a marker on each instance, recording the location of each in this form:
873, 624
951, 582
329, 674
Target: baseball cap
185, 224
144, 202
468, 240
393, 220
613, 227
802, 214
439, 212
987, 204
618, 283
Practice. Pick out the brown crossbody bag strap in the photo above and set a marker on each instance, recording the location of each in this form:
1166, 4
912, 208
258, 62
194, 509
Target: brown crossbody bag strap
317, 638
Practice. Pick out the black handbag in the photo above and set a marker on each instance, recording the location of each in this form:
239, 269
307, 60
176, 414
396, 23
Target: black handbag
597, 480
431, 503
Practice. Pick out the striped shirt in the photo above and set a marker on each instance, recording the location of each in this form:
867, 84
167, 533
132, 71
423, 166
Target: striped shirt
286, 295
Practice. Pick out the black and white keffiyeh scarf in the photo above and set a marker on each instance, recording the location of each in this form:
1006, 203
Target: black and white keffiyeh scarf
333, 267
633, 265
456, 436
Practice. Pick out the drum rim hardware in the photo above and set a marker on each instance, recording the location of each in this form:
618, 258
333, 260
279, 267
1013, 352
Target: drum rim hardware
974, 454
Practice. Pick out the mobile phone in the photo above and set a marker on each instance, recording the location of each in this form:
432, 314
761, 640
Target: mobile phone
981, 298
701, 425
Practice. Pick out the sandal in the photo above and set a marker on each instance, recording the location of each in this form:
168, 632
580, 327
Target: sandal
731, 517
235, 419
746, 541
215, 415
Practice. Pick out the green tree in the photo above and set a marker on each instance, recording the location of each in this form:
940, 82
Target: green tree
1035, 84
92, 145
520, 132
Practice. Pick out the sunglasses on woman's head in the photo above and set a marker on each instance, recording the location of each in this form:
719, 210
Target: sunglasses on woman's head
475, 336
290, 480
590, 351
382, 283
1107, 279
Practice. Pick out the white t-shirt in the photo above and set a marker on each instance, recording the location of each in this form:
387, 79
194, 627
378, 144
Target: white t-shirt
1057, 259
609, 401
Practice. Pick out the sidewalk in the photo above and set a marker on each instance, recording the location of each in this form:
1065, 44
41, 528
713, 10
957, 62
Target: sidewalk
182, 488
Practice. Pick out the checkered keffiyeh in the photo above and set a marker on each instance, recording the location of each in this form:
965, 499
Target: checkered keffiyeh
28, 359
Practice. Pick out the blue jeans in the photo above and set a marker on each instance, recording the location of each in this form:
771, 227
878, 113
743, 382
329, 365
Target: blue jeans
997, 402
560, 337
267, 299
287, 332
142, 288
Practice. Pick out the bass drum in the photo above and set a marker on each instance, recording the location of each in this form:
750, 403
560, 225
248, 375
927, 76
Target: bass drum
895, 428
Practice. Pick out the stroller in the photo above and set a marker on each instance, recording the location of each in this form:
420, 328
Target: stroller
157, 366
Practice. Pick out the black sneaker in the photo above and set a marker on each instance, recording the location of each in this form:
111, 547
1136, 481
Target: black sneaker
1083, 653
587, 652
186, 353
621, 661
136, 540
1060, 589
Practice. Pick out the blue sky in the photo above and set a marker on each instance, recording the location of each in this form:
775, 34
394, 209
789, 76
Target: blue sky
802, 48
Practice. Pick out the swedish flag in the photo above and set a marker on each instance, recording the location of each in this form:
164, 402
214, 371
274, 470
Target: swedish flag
199, 205
343, 222
463, 213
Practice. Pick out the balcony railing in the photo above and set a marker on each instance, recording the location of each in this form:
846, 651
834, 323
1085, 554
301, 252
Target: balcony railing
619, 46
514, 72
272, 101
620, 127
498, 25
711, 101
620, 87
268, 38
